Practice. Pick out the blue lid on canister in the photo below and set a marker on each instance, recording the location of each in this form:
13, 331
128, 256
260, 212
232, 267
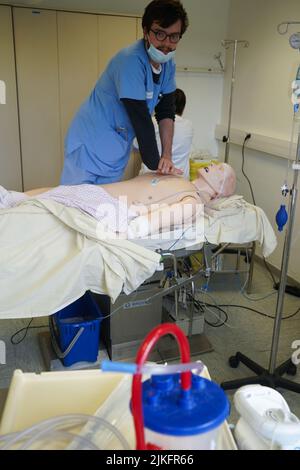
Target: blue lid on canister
170, 410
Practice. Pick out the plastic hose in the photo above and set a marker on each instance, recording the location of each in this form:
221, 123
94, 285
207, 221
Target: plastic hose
143, 352
40, 429
156, 369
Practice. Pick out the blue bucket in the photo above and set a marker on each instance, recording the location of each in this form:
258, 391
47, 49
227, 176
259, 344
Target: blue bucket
75, 331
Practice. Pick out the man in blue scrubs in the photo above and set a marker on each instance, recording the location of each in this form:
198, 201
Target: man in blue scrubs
138, 81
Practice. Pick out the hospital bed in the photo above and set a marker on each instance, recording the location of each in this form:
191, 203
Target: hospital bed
132, 316
51, 255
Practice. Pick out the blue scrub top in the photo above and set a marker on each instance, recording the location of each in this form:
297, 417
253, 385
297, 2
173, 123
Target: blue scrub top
102, 126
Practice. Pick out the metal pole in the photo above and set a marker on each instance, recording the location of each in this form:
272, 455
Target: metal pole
227, 145
284, 265
227, 44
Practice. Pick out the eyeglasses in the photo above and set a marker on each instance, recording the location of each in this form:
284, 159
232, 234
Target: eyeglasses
162, 36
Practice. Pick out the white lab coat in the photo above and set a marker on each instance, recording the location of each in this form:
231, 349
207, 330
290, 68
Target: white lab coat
182, 144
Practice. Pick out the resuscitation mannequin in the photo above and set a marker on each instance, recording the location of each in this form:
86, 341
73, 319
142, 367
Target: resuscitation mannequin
163, 199
215, 180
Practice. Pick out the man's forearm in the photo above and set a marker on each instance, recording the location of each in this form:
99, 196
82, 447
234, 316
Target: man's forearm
166, 132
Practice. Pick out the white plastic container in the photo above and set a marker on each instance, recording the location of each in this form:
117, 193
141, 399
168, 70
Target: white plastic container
207, 441
36, 397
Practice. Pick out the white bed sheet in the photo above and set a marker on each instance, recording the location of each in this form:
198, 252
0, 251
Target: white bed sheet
51, 254
226, 220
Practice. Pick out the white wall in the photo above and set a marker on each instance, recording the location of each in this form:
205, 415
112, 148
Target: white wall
208, 25
204, 103
262, 102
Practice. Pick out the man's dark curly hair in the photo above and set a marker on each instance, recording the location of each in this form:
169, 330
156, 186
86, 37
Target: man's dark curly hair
165, 13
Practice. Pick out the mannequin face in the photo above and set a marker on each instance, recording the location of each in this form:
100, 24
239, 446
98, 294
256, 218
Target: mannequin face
219, 180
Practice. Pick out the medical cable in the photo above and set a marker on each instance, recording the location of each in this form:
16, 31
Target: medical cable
151, 297
257, 299
202, 307
269, 270
202, 304
179, 239
61, 435
230, 305
248, 136
220, 323
247, 279
199, 305
67, 420
72, 420
215, 305
243, 307
287, 317
50, 432
26, 328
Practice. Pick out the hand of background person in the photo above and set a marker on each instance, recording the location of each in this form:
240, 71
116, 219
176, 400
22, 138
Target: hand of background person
166, 167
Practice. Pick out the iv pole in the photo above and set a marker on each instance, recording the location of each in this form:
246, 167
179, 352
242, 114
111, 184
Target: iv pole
273, 376
226, 44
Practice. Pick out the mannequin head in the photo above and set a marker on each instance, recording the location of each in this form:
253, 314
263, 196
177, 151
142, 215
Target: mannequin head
218, 180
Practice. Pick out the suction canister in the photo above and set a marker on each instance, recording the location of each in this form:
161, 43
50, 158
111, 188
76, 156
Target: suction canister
183, 419
177, 411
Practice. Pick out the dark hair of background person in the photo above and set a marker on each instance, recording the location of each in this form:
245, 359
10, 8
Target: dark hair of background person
165, 13
180, 101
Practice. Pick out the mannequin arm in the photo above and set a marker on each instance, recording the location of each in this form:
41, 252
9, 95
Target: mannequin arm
162, 217
36, 192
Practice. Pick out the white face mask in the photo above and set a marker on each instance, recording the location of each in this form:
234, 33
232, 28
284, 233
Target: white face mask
159, 57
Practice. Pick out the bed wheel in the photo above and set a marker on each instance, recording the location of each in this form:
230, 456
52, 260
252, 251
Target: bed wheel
234, 362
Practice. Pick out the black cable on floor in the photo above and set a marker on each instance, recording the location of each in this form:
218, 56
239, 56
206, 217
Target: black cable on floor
261, 313
199, 307
248, 136
26, 328
270, 272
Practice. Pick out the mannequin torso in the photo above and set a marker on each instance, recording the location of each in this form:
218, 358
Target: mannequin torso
154, 189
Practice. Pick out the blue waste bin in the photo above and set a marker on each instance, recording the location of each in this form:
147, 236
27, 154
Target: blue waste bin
75, 331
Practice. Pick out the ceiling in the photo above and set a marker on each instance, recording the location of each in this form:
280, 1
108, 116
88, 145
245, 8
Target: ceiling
135, 7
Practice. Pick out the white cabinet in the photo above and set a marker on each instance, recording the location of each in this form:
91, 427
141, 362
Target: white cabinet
38, 87
115, 32
59, 57
10, 160
78, 62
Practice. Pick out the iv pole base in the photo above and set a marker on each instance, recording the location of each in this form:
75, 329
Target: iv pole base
263, 377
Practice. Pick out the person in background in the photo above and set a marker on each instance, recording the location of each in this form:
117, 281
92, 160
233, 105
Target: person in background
138, 80
182, 139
